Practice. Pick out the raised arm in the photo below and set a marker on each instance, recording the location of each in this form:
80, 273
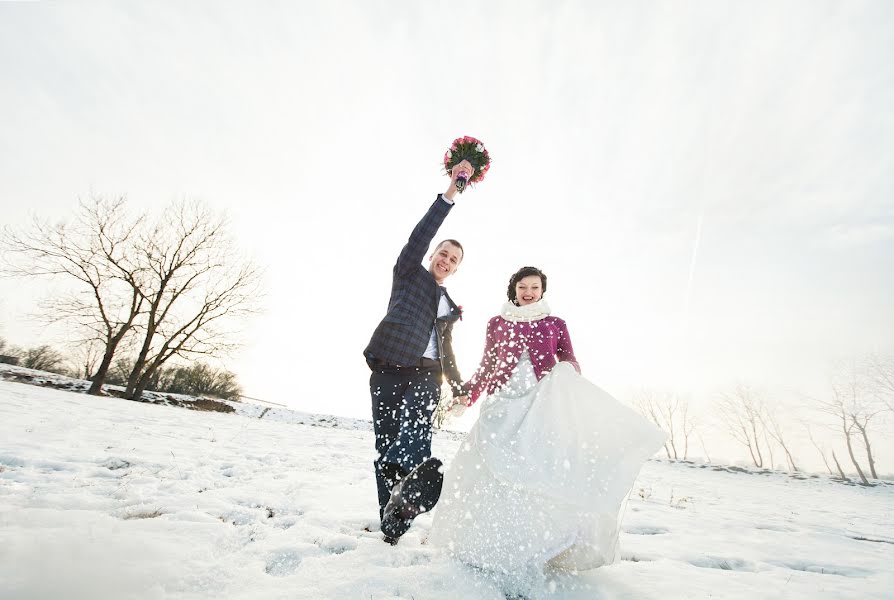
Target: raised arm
420, 239
422, 235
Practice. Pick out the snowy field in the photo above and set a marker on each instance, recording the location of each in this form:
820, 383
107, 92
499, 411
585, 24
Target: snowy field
105, 498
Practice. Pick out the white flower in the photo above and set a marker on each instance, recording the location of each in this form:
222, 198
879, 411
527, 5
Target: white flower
449, 154
480, 147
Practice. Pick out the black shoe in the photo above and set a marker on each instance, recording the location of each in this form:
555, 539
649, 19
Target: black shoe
418, 492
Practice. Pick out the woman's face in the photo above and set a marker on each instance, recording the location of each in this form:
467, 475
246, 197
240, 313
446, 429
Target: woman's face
528, 290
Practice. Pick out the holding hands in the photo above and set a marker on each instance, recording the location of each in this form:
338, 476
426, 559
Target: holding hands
459, 405
463, 400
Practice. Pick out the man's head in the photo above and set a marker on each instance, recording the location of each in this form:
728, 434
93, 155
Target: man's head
445, 260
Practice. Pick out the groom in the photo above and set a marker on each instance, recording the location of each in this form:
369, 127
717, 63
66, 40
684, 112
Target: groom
411, 350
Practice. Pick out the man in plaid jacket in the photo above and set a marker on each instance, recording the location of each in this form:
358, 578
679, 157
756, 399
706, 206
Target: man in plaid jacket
411, 350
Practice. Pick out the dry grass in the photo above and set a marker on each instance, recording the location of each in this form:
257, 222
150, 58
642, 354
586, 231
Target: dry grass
143, 515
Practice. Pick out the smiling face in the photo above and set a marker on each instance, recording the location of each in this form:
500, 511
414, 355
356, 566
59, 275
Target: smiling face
528, 290
444, 261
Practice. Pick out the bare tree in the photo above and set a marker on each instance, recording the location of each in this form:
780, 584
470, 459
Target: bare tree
670, 412
847, 429
861, 424
43, 358
9, 354
5, 353
822, 452
838, 466
771, 463
741, 410
853, 408
880, 373
774, 431
84, 358
120, 371
701, 441
200, 379
755, 425
195, 287
94, 252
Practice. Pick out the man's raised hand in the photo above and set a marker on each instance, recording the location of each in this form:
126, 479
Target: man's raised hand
461, 167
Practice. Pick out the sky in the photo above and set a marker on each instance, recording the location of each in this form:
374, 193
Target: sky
708, 185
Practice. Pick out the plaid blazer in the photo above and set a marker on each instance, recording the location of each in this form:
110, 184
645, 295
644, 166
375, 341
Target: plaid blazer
402, 336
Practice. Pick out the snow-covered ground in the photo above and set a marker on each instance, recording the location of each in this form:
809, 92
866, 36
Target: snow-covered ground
106, 498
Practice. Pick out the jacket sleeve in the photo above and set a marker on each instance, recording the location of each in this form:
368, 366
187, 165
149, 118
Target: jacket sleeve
478, 384
422, 235
564, 349
451, 371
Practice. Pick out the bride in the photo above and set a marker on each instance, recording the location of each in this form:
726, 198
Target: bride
540, 479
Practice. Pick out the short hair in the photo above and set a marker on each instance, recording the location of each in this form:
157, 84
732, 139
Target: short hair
462, 252
521, 274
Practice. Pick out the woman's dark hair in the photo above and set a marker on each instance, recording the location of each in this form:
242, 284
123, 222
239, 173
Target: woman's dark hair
521, 274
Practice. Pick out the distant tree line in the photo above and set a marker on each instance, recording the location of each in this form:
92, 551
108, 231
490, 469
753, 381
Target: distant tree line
856, 409
152, 289
196, 379
41, 358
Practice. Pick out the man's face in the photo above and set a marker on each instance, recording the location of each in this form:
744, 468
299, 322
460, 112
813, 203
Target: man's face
444, 261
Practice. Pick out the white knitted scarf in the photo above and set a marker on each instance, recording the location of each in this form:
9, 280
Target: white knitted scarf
529, 312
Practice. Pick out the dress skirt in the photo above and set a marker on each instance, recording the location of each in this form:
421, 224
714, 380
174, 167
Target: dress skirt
541, 477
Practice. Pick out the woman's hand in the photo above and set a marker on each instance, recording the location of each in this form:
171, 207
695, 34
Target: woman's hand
459, 405
464, 400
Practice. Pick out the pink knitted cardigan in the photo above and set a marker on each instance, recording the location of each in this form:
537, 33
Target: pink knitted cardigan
518, 329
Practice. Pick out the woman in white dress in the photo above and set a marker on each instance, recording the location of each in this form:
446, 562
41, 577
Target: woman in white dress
540, 479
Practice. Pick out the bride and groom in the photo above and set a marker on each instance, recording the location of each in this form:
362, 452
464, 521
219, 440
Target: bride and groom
540, 479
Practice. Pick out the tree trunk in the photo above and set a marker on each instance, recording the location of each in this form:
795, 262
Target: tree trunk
868, 452
770, 452
99, 378
826, 462
757, 460
137, 393
137, 372
820, 450
838, 465
146, 376
705, 450
791, 459
757, 447
850, 451
134, 378
140, 385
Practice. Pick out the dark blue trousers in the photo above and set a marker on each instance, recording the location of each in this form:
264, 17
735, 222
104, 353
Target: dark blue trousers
403, 403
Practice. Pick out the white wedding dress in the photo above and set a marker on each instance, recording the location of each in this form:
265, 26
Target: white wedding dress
541, 477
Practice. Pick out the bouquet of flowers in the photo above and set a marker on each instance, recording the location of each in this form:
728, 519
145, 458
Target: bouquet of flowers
472, 150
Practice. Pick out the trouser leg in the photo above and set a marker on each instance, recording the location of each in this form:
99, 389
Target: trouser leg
387, 392
420, 399
403, 405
